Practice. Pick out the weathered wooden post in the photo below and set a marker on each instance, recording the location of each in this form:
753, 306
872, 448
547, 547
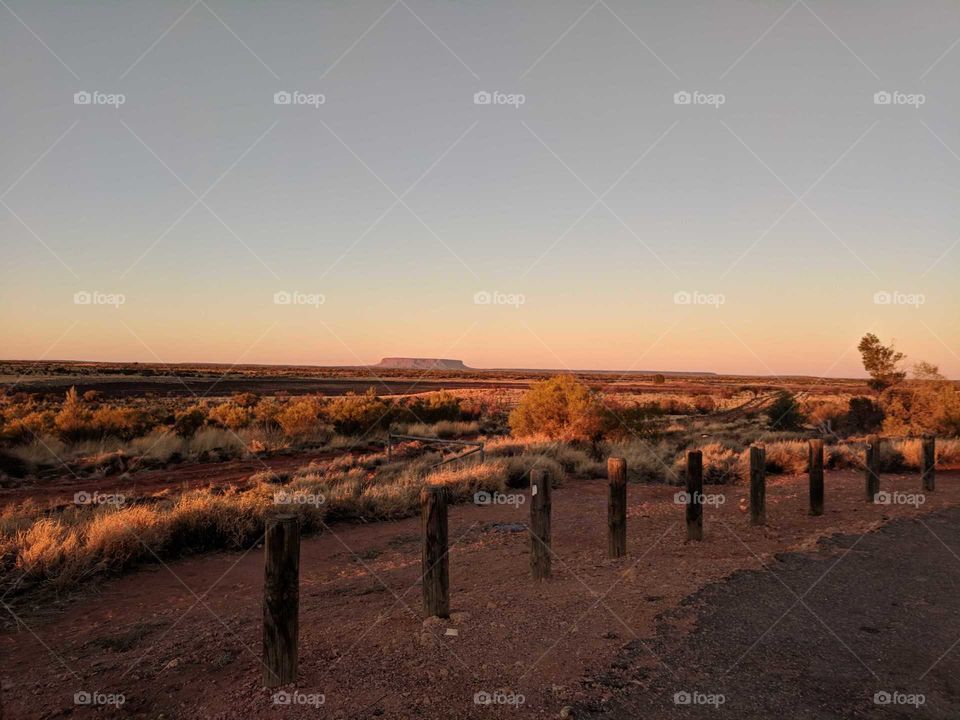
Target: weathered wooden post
281, 600
436, 566
617, 507
694, 495
873, 467
815, 468
540, 524
928, 463
758, 485
389, 446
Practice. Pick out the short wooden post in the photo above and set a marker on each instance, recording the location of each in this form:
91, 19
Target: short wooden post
928, 463
815, 463
758, 485
281, 600
872, 459
617, 507
436, 565
694, 495
540, 524
389, 447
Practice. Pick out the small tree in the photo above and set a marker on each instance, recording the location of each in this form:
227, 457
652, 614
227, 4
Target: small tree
784, 412
881, 361
73, 420
559, 408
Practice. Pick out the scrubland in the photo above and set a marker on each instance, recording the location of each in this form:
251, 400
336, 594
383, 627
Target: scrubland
562, 425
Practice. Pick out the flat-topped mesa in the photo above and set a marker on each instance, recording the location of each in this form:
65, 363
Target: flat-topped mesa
402, 363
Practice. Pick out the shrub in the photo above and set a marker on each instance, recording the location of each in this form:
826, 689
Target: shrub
560, 408
720, 464
299, 417
358, 414
73, 420
125, 423
435, 407
784, 412
232, 415
863, 416
187, 422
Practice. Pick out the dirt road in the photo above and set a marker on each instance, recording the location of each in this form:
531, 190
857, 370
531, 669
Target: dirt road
868, 627
183, 641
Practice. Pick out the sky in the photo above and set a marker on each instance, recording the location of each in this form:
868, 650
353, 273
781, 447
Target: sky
739, 187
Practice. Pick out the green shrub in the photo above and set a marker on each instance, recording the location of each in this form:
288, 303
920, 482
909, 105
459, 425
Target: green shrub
784, 413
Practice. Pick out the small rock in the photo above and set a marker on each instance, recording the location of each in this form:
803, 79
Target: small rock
173, 664
566, 712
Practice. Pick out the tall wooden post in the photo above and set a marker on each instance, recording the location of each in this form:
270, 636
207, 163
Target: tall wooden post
872, 459
758, 485
694, 495
928, 463
436, 565
815, 468
281, 600
617, 507
540, 524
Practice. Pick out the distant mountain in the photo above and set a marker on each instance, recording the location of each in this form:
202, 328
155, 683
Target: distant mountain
402, 363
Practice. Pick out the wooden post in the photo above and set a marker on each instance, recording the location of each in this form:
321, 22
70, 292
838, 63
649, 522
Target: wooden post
758, 485
281, 600
815, 463
389, 446
694, 495
436, 565
617, 507
540, 524
928, 463
873, 467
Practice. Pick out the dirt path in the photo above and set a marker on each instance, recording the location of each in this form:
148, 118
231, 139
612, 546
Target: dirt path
364, 645
179, 477
875, 635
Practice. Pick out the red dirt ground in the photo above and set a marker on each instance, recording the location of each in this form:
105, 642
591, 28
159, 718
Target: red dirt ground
183, 641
